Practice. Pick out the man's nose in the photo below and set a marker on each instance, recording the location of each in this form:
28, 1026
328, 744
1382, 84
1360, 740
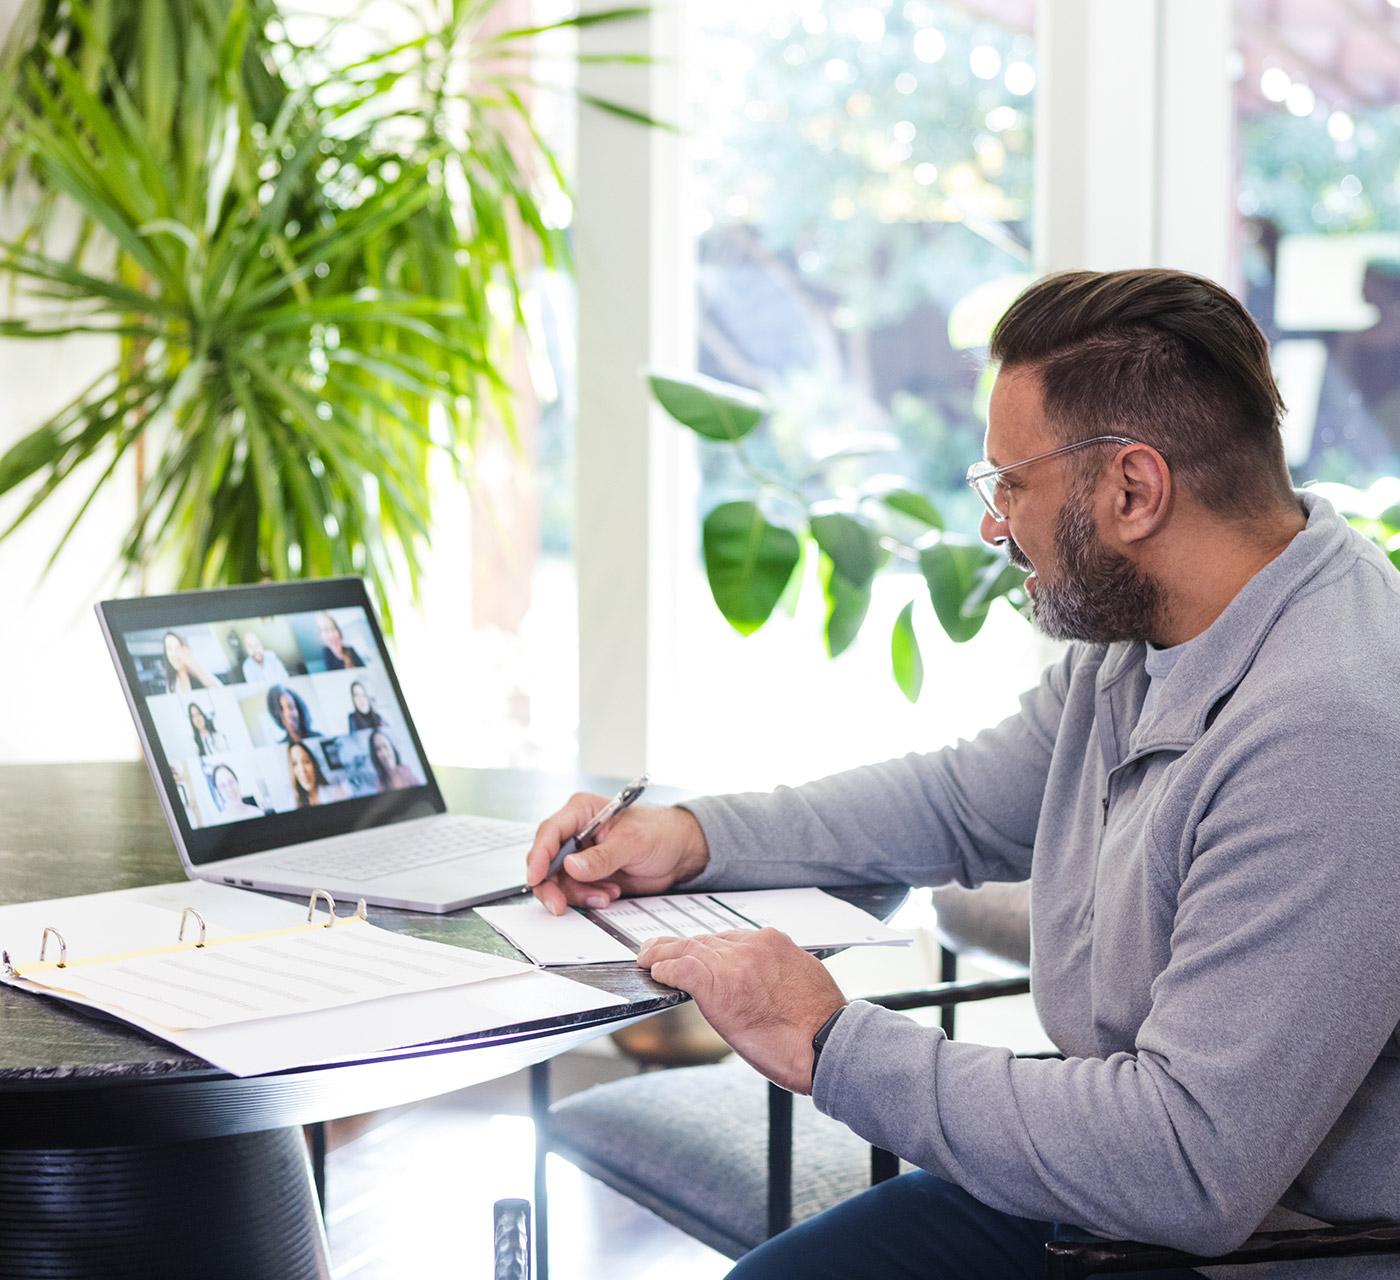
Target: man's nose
993, 532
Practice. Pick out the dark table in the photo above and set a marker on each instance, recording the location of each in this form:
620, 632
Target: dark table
121, 1155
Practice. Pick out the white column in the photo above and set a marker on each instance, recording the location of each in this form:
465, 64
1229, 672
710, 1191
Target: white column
1196, 155
634, 315
1133, 135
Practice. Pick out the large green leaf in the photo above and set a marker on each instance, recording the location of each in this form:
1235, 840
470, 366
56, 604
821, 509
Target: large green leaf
712, 409
998, 578
905, 658
846, 607
915, 506
953, 571
748, 561
852, 545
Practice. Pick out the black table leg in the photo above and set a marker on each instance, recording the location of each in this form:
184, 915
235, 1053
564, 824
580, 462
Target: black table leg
316, 1148
236, 1208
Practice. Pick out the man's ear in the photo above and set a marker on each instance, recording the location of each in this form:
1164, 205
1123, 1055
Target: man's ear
1142, 492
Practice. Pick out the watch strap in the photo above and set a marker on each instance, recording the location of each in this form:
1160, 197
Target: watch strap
823, 1035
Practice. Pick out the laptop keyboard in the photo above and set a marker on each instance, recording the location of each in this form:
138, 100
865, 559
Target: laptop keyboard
371, 855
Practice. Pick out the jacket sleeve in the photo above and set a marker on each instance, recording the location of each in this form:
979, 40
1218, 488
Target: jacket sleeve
1281, 992
966, 813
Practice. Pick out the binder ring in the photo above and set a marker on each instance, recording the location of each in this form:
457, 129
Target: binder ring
62, 947
184, 920
361, 911
311, 907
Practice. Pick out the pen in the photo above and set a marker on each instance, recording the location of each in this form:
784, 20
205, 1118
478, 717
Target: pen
586, 838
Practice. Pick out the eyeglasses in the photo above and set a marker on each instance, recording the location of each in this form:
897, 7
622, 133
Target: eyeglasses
987, 479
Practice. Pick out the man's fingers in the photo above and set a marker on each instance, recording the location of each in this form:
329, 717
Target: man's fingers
669, 948
600, 894
604, 859
551, 897
562, 892
555, 829
688, 973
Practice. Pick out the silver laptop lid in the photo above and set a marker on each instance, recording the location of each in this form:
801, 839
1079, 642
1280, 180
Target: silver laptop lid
269, 715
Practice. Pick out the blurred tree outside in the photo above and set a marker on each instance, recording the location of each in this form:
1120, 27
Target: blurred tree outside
863, 168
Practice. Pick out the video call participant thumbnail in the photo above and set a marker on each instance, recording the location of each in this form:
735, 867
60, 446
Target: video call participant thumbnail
335, 653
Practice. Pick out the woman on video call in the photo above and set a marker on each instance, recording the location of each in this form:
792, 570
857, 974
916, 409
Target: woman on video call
308, 782
233, 807
394, 775
290, 714
182, 669
362, 712
207, 739
335, 653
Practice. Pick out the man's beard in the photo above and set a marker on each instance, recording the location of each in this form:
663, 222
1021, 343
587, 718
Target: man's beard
1098, 596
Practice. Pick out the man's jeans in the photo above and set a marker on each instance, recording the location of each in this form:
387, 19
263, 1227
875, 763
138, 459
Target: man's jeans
917, 1227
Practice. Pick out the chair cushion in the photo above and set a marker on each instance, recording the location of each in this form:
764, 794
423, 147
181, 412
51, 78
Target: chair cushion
992, 922
691, 1144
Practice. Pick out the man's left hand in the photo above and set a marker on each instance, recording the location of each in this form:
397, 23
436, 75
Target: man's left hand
764, 994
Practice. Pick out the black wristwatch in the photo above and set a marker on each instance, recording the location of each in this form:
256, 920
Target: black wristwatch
819, 1040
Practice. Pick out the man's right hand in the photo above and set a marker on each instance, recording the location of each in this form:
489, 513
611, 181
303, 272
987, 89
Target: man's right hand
645, 849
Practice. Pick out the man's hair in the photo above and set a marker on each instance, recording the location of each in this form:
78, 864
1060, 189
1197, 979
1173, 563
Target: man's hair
1167, 358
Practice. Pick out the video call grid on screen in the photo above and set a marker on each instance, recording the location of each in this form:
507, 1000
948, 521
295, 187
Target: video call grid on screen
266, 721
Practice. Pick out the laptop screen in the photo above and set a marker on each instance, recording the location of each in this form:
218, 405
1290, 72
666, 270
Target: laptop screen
271, 715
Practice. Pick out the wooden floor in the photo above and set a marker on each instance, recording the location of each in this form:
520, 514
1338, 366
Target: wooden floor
409, 1193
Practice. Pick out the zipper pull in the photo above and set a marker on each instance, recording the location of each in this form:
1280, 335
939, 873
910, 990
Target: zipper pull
1105, 811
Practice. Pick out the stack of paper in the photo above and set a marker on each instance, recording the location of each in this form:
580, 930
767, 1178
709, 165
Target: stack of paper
266, 992
812, 918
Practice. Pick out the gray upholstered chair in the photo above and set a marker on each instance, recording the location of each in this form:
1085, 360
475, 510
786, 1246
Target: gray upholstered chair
731, 1159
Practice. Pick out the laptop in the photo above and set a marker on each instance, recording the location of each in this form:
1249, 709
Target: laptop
284, 754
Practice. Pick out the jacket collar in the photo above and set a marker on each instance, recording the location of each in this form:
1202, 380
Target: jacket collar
1217, 659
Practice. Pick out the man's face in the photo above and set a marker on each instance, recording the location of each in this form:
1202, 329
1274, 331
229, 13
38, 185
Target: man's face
253, 646
1080, 589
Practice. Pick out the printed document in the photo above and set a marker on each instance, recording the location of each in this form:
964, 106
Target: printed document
812, 918
438, 993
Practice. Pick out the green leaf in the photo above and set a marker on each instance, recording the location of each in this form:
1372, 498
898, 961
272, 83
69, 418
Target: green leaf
905, 658
914, 505
846, 607
748, 561
853, 546
1391, 516
996, 580
952, 571
715, 410
793, 591
39, 449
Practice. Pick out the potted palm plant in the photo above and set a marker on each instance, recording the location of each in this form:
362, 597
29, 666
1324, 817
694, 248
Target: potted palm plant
310, 259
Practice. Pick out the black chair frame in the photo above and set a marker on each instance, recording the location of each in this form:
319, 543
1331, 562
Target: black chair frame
944, 995
1077, 1259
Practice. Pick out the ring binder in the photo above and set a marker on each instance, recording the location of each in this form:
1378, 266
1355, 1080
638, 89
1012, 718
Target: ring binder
361, 910
62, 947
311, 907
184, 919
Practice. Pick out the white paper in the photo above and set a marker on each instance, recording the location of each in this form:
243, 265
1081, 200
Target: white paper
267, 975
812, 918
364, 1031
686, 915
554, 940
127, 919
98, 924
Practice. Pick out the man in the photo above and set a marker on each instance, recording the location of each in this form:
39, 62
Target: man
1202, 793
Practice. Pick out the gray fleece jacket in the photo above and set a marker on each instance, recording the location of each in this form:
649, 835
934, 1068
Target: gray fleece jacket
1215, 923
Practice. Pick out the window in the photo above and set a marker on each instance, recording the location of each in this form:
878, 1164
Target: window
1318, 224
862, 177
